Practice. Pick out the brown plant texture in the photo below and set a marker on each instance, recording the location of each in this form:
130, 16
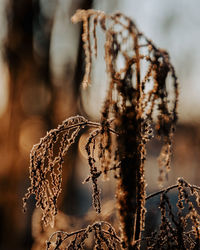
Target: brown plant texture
142, 95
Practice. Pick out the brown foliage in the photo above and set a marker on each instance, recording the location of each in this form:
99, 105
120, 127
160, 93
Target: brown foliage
138, 95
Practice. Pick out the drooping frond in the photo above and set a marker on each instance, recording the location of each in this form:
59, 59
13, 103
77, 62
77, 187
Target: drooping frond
138, 95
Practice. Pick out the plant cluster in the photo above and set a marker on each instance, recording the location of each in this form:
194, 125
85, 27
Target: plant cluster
143, 91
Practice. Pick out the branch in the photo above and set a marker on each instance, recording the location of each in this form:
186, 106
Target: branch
110, 231
170, 188
88, 123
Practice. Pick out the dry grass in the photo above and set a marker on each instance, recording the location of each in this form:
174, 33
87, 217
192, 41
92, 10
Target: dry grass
138, 97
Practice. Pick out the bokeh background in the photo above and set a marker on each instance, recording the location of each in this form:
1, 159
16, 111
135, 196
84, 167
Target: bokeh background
41, 68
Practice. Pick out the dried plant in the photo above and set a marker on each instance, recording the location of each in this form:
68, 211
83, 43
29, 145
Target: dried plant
104, 236
143, 91
179, 228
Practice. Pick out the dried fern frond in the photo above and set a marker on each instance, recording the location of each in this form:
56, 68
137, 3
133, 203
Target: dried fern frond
46, 165
127, 50
46, 161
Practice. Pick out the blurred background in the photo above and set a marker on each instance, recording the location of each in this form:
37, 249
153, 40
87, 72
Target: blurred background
41, 68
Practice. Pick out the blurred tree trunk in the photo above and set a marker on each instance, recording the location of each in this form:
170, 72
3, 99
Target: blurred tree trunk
31, 94
21, 65
26, 75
